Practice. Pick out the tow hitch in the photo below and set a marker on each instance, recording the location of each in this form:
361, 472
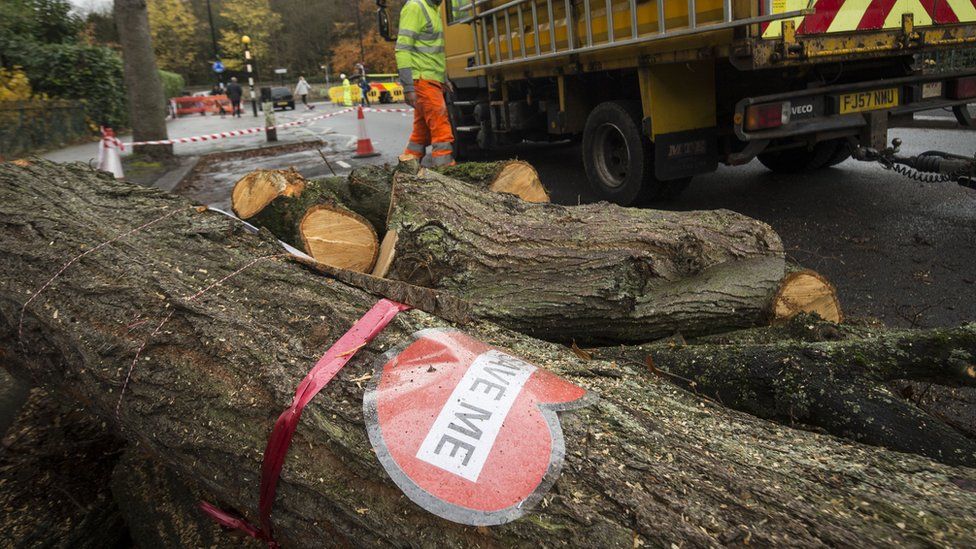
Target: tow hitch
928, 167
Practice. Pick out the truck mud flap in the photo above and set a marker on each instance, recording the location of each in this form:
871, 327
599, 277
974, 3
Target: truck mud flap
685, 153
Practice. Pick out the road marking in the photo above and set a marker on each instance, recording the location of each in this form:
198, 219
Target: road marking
343, 164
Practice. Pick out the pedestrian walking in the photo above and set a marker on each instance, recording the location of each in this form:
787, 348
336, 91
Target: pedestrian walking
421, 66
346, 90
215, 91
364, 87
234, 93
302, 89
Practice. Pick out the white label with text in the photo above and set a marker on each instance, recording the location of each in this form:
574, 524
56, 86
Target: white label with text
461, 438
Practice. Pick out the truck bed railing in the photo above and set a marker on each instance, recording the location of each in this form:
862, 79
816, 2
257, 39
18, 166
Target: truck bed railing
568, 32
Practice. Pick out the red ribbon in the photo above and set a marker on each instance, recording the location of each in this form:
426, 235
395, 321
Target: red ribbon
361, 333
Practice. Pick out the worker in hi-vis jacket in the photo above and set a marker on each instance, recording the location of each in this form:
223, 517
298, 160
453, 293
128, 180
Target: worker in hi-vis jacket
421, 66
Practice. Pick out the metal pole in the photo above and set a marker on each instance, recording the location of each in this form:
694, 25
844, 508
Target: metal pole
359, 25
213, 39
250, 76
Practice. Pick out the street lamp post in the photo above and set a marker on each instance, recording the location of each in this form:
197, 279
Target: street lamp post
359, 26
213, 38
246, 40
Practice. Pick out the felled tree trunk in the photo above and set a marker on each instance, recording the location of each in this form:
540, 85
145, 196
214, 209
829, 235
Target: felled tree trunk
834, 385
55, 465
956, 406
309, 215
586, 273
648, 463
160, 508
277, 199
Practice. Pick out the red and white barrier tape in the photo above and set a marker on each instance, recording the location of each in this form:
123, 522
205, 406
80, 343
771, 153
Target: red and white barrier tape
372, 109
109, 139
231, 133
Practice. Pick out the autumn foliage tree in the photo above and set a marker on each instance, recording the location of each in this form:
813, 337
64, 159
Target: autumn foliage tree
175, 34
253, 18
378, 52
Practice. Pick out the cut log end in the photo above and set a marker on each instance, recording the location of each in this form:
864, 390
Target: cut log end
339, 238
259, 188
806, 292
521, 179
385, 259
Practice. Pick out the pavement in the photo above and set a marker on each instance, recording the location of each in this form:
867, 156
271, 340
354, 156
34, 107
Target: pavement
897, 250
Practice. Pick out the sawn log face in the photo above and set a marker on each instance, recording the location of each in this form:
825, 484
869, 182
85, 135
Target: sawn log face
597, 272
648, 462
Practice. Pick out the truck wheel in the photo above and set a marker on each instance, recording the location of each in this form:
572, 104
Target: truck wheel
800, 159
841, 153
619, 159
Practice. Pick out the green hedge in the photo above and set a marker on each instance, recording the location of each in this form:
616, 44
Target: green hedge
77, 71
173, 84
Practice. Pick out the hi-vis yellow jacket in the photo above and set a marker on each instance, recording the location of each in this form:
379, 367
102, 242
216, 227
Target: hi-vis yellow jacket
420, 44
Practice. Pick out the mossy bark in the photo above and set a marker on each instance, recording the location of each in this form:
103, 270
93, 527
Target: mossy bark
838, 385
648, 463
585, 273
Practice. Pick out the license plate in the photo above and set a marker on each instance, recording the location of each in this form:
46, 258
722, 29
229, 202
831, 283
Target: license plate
931, 89
868, 100
282, 103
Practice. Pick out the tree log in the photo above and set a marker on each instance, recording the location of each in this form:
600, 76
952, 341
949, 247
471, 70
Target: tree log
588, 273
366, 191
55, 464
308, 215
160, 507
648, 463
956, 406
507, 176
835, 385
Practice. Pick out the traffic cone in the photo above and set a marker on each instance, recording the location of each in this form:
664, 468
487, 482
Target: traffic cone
364, 147
109, 159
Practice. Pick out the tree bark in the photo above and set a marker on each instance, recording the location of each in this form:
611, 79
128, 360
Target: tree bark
837, 386
648, 463
956, 406
144, 89
160, 507
587, 273
55, 464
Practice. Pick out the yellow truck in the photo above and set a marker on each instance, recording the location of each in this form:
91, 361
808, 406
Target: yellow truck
661, 90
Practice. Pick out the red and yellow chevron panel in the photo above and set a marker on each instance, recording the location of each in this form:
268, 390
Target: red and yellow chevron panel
864, 15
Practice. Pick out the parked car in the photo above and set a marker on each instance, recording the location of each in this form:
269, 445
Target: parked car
282, 97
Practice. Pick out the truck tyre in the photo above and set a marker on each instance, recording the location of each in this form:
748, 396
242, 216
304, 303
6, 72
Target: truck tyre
619, 159
841, 153
800, 159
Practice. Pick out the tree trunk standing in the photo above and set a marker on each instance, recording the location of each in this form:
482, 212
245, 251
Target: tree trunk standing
596, 272
648, 463
147, 104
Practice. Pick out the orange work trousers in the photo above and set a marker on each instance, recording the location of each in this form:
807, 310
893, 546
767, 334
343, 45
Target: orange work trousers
431, 126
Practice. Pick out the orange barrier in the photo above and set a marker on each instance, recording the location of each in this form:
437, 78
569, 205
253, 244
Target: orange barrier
201, 104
